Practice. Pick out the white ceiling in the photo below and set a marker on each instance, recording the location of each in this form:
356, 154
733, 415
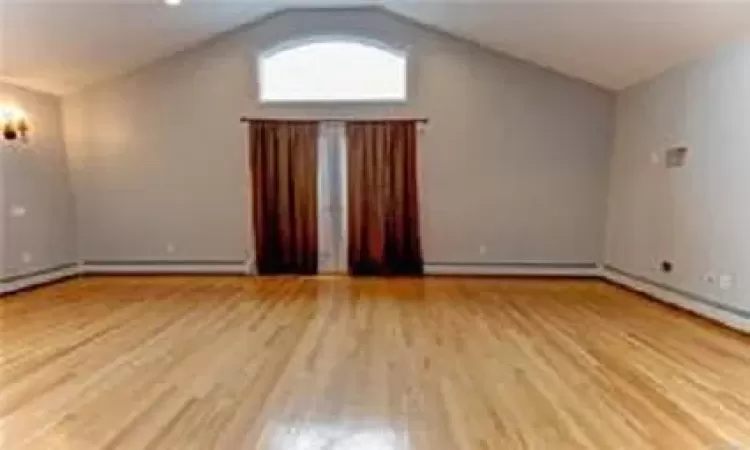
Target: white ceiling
610, 43
61, 45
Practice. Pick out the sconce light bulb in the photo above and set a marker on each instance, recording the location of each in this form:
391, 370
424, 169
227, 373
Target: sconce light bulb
13, 123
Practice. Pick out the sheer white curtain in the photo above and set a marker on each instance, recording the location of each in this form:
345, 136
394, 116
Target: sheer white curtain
332, 252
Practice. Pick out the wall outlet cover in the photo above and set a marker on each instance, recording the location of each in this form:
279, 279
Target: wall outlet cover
17, 211
725, 282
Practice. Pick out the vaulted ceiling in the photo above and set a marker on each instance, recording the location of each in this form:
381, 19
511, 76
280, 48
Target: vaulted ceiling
59, 46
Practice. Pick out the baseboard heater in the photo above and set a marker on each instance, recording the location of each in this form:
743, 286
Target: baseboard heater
727, 315
165, 267
18, 282
522, 268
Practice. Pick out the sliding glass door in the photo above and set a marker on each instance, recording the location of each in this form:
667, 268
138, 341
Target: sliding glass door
332, 232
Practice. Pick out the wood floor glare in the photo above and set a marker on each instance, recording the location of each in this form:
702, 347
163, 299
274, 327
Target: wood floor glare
337, 363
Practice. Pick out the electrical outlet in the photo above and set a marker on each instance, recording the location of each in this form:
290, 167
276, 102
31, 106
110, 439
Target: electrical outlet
26, 257
17, 211
482, 249
171, 248
725, 282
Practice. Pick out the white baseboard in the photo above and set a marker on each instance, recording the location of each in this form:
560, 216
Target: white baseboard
239, 268
520, 269
736, 319
35, 279
21, 282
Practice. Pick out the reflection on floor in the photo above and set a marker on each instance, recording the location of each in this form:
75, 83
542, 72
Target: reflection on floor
366, 364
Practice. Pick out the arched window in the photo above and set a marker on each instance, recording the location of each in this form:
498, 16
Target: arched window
332, 70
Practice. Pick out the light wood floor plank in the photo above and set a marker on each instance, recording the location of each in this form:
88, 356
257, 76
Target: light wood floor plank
367, 364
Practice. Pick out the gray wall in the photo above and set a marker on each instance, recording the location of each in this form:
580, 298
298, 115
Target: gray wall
35, 177
697, 216
514, 159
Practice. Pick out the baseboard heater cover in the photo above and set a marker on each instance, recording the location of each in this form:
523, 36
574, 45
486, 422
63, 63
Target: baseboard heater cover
727, 315
166, 267
574, 269
14, 283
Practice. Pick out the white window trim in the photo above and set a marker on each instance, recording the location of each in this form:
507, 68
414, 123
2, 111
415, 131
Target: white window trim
298, 42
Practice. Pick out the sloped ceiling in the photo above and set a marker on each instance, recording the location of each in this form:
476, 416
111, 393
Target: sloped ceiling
59, 46
608, 43
62, 45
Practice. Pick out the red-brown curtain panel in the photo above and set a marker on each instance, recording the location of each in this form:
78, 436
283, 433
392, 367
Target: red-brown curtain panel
283, 160
383, 201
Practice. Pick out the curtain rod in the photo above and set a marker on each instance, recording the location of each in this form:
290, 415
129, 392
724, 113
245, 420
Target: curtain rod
332, 119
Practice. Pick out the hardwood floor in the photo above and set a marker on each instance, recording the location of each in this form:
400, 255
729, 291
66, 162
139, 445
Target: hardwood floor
367, 364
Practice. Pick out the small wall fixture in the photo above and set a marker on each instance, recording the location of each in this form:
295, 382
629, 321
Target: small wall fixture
13, 123
676, 157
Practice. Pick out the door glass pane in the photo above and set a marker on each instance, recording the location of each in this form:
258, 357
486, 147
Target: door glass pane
331, 199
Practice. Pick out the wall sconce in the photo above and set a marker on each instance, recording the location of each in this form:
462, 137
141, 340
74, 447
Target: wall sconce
13, 123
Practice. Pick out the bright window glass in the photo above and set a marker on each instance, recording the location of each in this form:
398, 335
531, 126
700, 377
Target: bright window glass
332, 71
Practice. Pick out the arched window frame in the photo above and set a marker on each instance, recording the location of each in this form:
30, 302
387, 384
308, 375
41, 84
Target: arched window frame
400, 52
